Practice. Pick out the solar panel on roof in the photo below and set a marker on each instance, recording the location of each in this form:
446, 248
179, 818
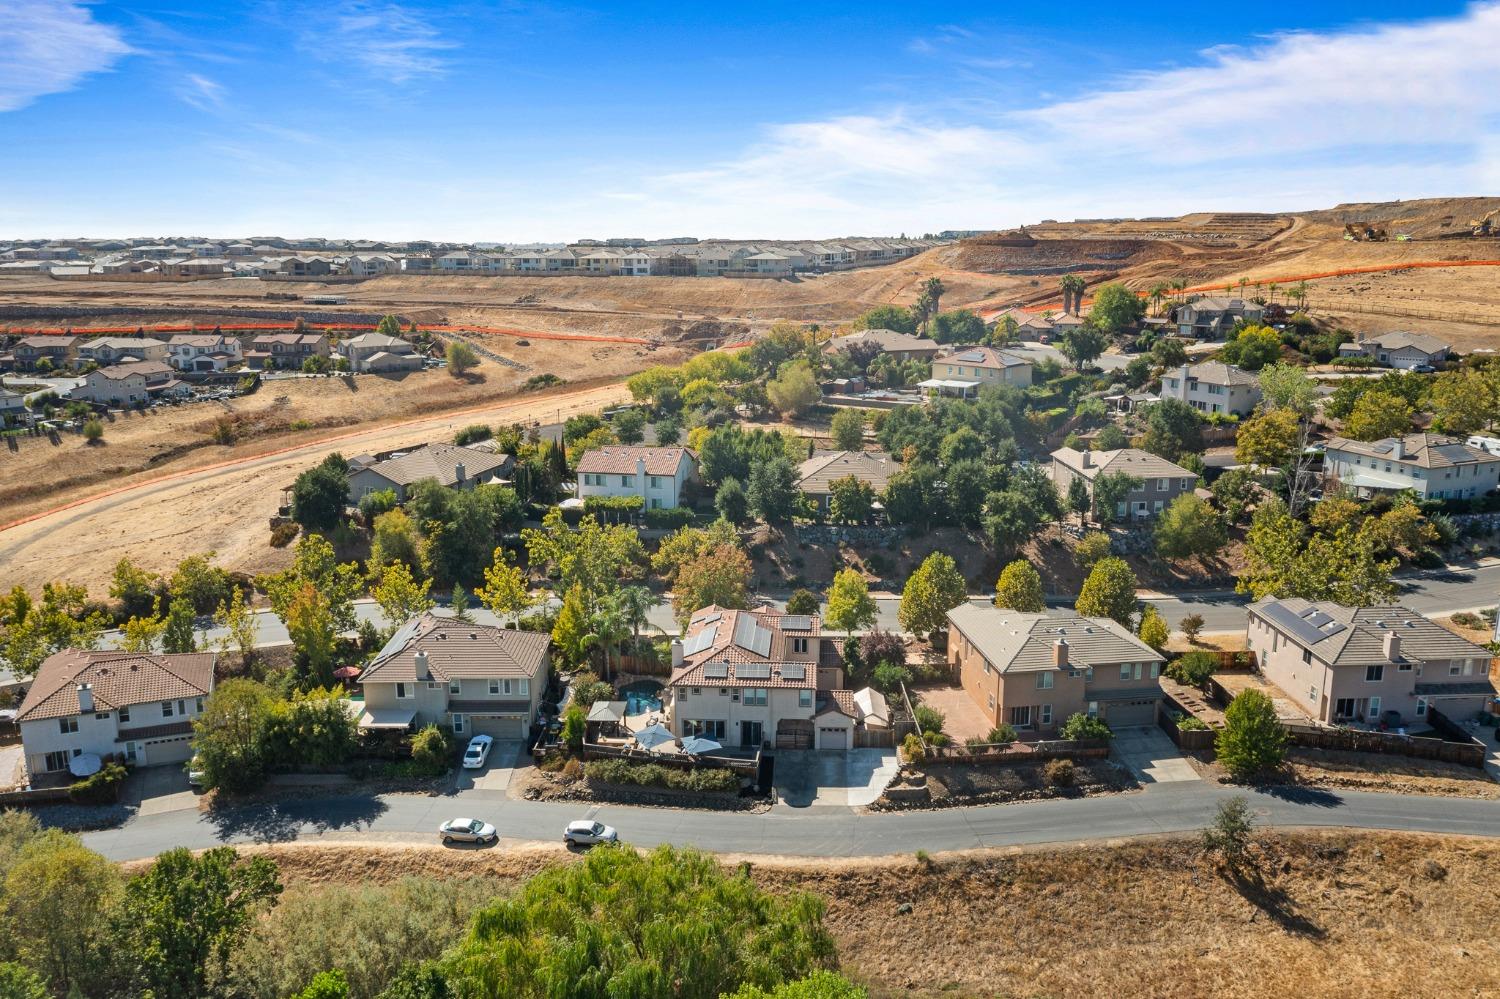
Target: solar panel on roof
1296, 626
796, 622
748, 634
700, 642
793, 671
716, 671
752, 671
712, 618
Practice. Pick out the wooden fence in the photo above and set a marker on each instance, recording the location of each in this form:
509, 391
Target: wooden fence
1469, 754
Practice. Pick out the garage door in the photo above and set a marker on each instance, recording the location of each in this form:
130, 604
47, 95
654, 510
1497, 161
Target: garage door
833, 738
174, 750
1125, 714
500, 728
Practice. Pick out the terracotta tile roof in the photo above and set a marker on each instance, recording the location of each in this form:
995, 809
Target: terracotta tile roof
719, 641
458, 650
118, 679
623, 460
840, 701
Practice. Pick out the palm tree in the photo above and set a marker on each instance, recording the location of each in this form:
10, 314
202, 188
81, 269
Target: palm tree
1243, 282
635, 602
1158, 292
934, 289
609, 625
1299, 292
1272, 288
1072, 289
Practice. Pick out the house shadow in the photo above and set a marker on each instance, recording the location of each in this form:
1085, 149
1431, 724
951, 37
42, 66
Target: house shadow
1274, 902
1298, 795
284, 821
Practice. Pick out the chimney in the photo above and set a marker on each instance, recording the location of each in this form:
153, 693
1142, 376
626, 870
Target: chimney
424, 672
1398, 447
1392, 646
1088, 458
1060, 653
677, 654
85, 698
640, 469
459, 473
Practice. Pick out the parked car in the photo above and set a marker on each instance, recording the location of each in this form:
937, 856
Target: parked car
1423, 369
478, 751
467, 831
195, 773
586, 833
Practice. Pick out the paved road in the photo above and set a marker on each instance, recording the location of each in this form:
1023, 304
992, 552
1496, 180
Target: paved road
810, 832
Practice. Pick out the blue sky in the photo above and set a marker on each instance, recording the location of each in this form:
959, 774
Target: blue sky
514, 121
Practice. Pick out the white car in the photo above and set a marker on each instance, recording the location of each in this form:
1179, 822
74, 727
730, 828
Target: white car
467, 831
478, 751
586, 833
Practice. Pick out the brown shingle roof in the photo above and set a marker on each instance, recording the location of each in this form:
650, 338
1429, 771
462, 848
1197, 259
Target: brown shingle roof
1141, 464
622, 460
1355, 636
440, 462
145, 368
1419, 450
890, 341
458, 650
118, 679
824, 468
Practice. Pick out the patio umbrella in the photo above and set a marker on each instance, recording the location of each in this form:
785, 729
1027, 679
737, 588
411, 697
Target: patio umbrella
697, 745
346, 672
653, 735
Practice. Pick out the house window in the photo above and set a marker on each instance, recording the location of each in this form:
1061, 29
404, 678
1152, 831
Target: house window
101, 716
1375, 673
166, 709
458, 724
656, 482
1344, 707
1020, 717
1307, 656
1124, 671
1374, 712
1044, 681
1137, 671
125, 712
1046, 714
799, 645
55, 761
67, 726
712, 728
1312, 694
494, 687
1155, 670
455, 687
1421, 707
402, 691
755, 696
627, 481
804, 698
1162, 485
523, 688
992, 702
198, 705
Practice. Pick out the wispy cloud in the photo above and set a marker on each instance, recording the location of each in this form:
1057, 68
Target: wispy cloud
48, 46
201, 92
385, 39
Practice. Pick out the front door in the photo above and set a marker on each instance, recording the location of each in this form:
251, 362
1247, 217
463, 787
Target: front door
750, 734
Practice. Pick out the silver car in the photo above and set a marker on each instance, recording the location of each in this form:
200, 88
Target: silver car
467, 831
586, 833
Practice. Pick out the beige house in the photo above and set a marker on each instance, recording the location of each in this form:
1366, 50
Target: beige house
116, 349
138, 707
377, 352
58, 350
1367, 664
1161, 480
133, 383
285, 350
1213, 387
1034, 671
901, 346
468, 678
1400, 349
1212, 318
449, 465
763, 678
816, 475
983, 366
203, 351
1430, 465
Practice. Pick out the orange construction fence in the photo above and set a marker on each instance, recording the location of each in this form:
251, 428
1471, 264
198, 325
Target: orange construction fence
270, 326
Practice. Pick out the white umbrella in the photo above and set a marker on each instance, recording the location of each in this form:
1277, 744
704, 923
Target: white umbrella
697, 745
654, 735
85, 765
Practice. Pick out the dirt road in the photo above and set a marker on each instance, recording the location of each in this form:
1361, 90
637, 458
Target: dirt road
225, 507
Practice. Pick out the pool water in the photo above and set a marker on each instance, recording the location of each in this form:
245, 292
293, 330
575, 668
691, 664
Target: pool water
641, 697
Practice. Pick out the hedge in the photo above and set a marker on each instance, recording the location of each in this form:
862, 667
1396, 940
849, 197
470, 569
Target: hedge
654, 775
669, 518
99, 788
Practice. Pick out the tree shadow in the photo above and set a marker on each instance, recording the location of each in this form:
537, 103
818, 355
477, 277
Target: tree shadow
1274, 902
284, 821
1299, 795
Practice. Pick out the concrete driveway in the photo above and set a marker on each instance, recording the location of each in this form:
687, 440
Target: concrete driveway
157, 789
1152, 756
497, 771
808, 779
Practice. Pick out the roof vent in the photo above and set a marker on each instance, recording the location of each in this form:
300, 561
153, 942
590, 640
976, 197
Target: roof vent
473, 636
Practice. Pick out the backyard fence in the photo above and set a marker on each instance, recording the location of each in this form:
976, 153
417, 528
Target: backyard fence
1190, 740
1470, 753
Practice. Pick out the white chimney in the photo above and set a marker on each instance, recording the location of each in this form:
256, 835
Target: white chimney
1088, 458
85, 698
1398, 447
1392, 646
424, 671
459, 473
677, 654
1060, 653
640, 469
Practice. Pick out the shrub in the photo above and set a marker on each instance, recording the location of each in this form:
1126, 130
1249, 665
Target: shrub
1192, 626
551, 764
572, 771
431, 750
1193, 669
470, 434
929, 720
223, 432
669, 518
702, 780
1001, 735
911, 748
802, 602
1081, 726
93, 430
574, 724
540, 382
1465, 619
101, 788
1229, 834
461, 357
1091, 548
1191, 723
282, 534
1253, 740
1060, 772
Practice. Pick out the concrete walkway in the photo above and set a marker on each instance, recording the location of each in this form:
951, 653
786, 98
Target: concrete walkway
1152, 756
810, 779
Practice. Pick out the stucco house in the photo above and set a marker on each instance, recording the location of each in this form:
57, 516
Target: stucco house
1034, 671
1161, 480
58, 350
983, 366
203, 351
1404, 350
1341, 664
285, 350
1212, 318
1213, 387
132, 383
816, 475
659, 475
137, 706
1431, 465
115, 349
377, 352
901, 346
762, 678
449, 465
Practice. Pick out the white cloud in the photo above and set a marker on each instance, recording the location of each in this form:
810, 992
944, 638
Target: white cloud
384, 38
201, 92
48, 46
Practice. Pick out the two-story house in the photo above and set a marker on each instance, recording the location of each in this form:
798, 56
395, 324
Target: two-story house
203, 352
129, 384
138, 707
1404, 350
816, 475
1213, 387
659, 475
377, 352
116, 349
1377, 665
448, 465
1161, 481
1034, 671
983, 366
471, 679
58, 351
1432, 466
1213, 318
285, 350
761, 678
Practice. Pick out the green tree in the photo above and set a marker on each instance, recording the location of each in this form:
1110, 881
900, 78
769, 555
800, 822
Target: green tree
773, 490
389, 325
721, 577
1082, 345
93, 430
1252, 348
505, 591
850, 500
630, 426
1116, 307
33, 630
1078, 497
1252, 741
229, 736
320, 494
887, 317
670, 922
1020, 588
1111, 438
134, 587
1109, 591
399, 596
396, 539
850, 606
1110, 490
58, 896
1153, 629
326, 985
593, 557
1229, 835
1378, 415
848, 430
1464, 402
958, 326
818, 985
1192, 627
1090, 548
184, 912
19, 982
1084, 728
1173, 429
730, 502
802, 601
461, 358
1189, 527
1286, 386
1268, 440
143, 634
1194, 668
201, 582
177, 631
570, 633
794, 389
932, 590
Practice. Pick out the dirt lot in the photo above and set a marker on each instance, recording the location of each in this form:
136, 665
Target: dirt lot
1342, 770
1319, 914
962, 718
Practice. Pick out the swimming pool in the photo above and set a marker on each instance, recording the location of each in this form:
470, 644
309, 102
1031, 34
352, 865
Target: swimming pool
641, 697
